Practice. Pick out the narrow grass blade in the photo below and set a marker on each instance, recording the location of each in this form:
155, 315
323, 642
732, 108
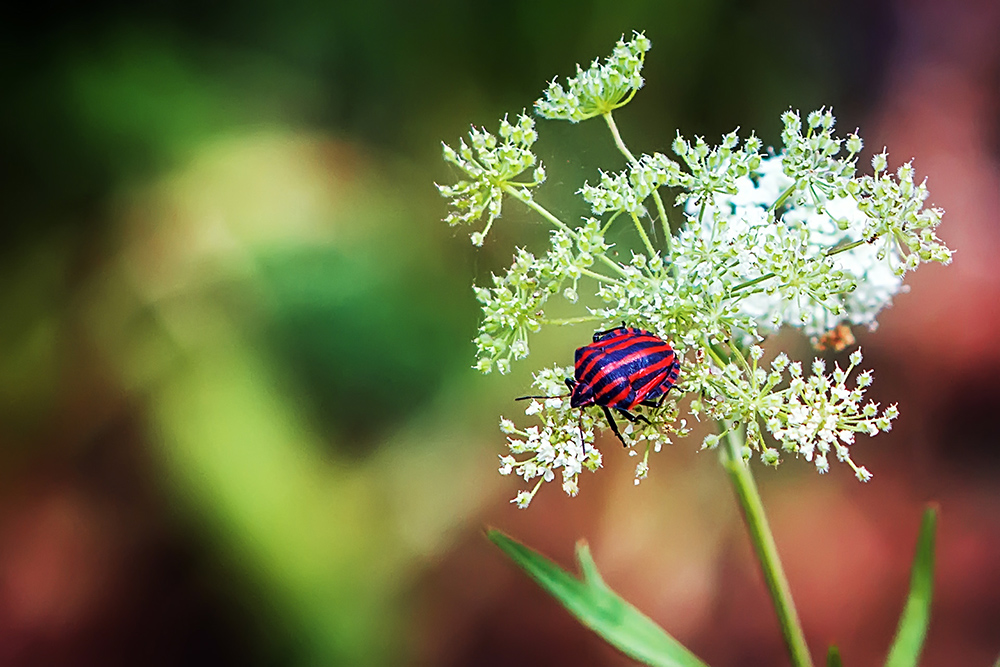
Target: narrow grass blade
909, 641
598, 607
833, 657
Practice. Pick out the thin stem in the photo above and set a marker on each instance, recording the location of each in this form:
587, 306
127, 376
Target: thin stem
544, 212
607, 225
611, 264
573, 320
642, 233
599, 277
735, 352
844, 248
660, 209
751, 283
618, 139
540, 210
763, 543
784, 196
662, 212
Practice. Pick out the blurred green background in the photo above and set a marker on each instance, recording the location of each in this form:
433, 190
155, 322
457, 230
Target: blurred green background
238, 419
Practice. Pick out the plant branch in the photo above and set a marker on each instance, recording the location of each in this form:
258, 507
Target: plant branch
544, 212
660, 209
599, 277
540, 210
642, 234
618, 139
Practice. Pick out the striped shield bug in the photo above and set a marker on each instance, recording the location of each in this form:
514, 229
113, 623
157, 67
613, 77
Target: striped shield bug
621, 369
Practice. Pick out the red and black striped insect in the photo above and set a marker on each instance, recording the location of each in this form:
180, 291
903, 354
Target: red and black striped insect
621, 369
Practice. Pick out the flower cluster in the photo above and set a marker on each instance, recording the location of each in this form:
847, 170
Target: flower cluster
628, 190
715, 170
512, 307
832, 275
564, 441
491, 166
760, 239
599, 89
808, 416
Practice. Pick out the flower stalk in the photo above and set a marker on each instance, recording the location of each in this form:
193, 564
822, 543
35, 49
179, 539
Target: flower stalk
732, 459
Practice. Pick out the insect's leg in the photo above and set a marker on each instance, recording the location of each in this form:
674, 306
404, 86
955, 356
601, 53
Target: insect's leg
613, 425
631, 417
524, 398
654, 403
657, 402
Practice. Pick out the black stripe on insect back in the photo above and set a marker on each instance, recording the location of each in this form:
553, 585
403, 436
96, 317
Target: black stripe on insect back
631, 357
601, 357
633, 378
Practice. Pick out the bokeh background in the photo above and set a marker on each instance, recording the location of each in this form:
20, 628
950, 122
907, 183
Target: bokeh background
238, 423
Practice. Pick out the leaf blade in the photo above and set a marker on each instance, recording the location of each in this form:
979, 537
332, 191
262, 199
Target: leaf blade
598, 607
909, 640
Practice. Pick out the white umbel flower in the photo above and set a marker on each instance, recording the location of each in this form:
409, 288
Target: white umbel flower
747, 215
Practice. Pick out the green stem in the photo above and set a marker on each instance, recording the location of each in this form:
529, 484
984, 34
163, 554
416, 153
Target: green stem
642, 234
573, 320
662, 212
784, 196
660, 209
751, 283
844, 248
763, 543
544, 212
540, 210
599, 277
618, 139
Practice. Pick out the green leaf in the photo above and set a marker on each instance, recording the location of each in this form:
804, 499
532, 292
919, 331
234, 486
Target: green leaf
598, 607
833, 657
905, 651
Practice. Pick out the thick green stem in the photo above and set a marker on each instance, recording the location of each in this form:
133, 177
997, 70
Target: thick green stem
763, 543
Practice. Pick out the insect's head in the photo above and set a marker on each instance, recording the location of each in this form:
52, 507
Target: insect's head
580, 394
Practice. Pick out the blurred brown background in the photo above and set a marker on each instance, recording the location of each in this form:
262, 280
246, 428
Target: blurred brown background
238, 423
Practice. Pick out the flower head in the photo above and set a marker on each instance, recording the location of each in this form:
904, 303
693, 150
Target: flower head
816, 286
761, 240
491, 165
600, 88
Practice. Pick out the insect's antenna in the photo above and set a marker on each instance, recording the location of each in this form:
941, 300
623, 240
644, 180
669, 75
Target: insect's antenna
524, 398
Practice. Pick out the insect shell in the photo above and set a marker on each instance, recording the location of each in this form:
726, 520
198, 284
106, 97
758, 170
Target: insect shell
621, 369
